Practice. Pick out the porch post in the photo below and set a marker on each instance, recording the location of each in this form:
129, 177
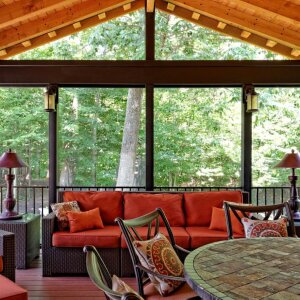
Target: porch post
53, 153
246, 148
150, 55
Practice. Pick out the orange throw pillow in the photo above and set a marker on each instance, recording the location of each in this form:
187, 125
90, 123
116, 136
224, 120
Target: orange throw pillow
80, 221
218, 221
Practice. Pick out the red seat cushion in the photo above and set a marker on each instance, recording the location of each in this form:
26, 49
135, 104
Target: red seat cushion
109, 203
1, 263
11, 291
182, 238
202, 235
183, 292
138, 204
198, 205
108, 237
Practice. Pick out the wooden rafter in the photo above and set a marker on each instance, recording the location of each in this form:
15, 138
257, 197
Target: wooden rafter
150, 5
19, 11
56, 20
224, 28
230, 15
68, 30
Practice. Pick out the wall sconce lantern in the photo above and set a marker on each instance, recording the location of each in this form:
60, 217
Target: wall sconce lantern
50, 98
251, 99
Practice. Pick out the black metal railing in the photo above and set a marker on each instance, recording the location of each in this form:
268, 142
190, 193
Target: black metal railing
35, 199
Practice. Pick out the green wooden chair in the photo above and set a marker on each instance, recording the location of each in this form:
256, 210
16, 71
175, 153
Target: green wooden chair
101, 277
151, 221
263, 212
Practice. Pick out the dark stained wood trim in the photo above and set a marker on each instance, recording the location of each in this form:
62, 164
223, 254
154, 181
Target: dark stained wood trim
53, 154
246, 147
139, 73
150, 35
149, 137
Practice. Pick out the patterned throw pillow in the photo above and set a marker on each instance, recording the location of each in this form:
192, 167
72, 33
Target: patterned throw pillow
269, 228
120, 286
159, 256
61, 210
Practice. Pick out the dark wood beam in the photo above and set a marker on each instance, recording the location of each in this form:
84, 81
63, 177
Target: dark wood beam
139, 73
150, 35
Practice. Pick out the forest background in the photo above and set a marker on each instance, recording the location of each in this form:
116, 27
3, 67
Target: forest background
197, 131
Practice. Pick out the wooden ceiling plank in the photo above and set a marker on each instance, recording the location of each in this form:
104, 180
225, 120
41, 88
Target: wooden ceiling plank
53, 21
68, 30
229, 30
20, 11
150, 5
216, 10
284, 8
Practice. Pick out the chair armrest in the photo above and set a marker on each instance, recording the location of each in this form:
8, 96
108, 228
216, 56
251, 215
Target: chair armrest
129, 296
160, 275
7, 250
180, 249
48, 228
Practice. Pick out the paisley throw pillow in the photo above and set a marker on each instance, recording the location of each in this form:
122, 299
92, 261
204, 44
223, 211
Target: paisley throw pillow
61, 210
269, 228
159, 256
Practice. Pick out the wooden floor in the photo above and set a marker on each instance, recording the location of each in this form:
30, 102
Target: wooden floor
59, 288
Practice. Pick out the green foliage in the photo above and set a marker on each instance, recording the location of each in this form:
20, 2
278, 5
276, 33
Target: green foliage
197, 130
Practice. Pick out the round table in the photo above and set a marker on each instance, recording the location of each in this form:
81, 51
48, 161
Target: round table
260, 268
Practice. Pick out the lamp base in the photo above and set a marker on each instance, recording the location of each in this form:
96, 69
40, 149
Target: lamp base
296, 216
10, 215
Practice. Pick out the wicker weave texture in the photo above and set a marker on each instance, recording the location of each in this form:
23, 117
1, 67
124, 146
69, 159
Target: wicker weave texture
27, 237
59, 260
7, 250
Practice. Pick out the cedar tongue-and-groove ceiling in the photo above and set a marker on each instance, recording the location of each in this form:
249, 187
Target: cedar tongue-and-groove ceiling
270, 24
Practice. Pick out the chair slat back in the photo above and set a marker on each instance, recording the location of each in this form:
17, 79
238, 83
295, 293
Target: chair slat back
263, 212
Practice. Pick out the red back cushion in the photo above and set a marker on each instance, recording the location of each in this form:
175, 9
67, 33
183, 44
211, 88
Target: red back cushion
1, 264
218, 221
109, 203
138, 204
198, 205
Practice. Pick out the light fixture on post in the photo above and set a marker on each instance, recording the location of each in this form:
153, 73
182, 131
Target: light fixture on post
10, 160
292, 161
251, 98
50, 98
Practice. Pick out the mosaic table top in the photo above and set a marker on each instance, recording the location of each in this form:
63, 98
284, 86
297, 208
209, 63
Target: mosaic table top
262, 268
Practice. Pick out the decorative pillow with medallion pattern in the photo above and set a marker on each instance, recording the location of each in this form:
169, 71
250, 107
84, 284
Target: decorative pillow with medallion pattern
267, 228
158, 255
61, 211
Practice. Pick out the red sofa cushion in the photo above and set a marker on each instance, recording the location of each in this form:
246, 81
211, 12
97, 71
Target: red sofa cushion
109, 203
138, 204
182, 238
202, 235
198, 205
108, 237
1, 263
11, 291
218, 221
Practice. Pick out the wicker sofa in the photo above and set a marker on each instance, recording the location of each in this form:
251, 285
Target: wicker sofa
7, 253
189, 215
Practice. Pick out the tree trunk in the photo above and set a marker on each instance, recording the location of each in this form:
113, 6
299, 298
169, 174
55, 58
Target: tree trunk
130, 138
66, 175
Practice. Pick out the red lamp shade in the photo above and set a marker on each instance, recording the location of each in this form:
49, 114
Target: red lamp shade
290, 160
11, 160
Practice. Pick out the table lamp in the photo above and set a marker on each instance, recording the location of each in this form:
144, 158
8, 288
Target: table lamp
10, 160
292, 161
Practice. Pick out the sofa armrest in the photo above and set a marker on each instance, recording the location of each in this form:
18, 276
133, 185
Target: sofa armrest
7, 250
48, 228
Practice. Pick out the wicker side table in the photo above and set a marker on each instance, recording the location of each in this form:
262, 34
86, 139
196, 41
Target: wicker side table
27, 237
